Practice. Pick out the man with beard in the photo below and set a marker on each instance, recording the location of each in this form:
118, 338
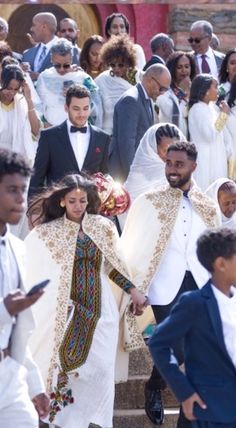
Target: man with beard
159, 239
68, 29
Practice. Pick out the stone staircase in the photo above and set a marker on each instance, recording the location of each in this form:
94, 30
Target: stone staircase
129, 400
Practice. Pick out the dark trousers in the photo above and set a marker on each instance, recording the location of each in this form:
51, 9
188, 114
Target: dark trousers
161, 312
206, 424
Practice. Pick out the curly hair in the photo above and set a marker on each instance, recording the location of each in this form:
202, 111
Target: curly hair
200, 85
84, 54
172, 63
13, 163
47, 203
119, 47
215, 243
223, 73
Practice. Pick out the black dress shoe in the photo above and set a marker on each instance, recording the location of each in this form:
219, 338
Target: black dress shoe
153, 405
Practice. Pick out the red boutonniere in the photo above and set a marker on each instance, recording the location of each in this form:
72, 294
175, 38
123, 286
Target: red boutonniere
97, 150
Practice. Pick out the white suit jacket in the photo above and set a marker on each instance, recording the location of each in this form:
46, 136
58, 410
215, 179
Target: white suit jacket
22, 328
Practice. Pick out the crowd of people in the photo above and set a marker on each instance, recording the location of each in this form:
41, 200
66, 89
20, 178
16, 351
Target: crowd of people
119, 174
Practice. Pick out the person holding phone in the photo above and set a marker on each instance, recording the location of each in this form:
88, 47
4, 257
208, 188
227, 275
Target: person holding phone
22, 393
76, 340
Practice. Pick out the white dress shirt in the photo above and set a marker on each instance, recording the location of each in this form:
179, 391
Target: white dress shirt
227, 309
9, 281
210, 58
79, 143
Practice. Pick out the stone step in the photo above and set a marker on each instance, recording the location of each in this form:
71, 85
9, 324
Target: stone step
138, 419
140, 362
130, 395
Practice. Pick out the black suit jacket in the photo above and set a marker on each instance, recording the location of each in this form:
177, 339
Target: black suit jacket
155, 59
55, 156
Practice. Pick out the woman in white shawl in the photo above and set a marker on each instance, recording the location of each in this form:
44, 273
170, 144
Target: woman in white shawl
19, 123
76, 337
223, 192
148, 166
118, 54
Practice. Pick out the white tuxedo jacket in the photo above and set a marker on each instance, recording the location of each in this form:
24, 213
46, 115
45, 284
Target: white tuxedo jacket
22, 328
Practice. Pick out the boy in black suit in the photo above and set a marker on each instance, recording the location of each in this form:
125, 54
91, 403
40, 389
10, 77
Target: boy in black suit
205, 319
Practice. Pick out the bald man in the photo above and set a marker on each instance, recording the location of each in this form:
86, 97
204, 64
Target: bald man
133, 115
43, 30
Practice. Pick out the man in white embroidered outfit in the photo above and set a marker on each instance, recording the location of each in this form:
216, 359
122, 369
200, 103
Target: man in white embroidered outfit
160, 242
21, 386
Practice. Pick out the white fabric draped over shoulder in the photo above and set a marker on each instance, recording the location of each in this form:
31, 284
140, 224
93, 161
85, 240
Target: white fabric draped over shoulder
110, 89
147, 169
212, 192
15, 130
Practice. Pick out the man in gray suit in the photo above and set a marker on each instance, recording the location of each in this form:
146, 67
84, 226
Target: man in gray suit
133, 115
43, 30
207, 59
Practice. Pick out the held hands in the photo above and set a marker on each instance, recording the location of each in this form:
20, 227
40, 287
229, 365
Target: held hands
41, 404
139, 302
17, 301
187, 406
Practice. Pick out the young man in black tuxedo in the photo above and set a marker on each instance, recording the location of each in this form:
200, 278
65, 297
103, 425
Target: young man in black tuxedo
71, 147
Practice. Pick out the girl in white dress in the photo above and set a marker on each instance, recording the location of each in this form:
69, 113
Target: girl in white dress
206, 125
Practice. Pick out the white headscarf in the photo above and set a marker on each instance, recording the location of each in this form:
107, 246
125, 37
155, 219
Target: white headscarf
212, 192
148, 169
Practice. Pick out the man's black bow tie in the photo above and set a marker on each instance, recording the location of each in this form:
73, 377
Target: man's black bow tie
185, 193
76, 129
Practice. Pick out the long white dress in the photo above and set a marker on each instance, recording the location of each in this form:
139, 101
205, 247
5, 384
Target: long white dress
210, 143
231, 128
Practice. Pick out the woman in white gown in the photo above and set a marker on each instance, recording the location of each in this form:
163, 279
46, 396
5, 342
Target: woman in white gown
206, 125
223, 192
76, 337
227, 90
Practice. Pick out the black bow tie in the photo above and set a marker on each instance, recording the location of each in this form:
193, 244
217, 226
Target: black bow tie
76, 129
185, 193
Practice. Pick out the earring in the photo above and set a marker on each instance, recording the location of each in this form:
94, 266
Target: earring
62, 204
112, 74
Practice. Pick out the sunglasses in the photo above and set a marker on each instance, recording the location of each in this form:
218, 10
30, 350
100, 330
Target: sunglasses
112, 65
196, 39
161, 88
58, 66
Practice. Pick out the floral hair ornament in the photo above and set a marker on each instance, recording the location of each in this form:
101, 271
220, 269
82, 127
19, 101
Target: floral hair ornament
114, 197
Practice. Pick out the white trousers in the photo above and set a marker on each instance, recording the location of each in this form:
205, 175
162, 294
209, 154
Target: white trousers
16, 407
